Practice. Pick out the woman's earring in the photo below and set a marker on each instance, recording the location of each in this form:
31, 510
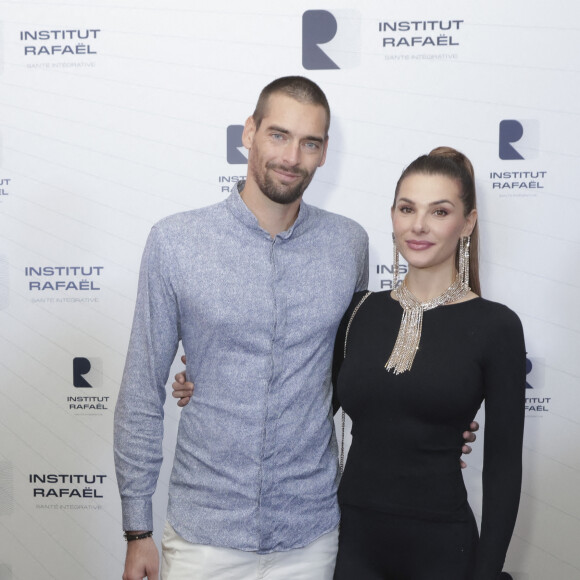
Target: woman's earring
464, 244
395, 264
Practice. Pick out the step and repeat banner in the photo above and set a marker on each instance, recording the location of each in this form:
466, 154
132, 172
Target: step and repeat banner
115, 113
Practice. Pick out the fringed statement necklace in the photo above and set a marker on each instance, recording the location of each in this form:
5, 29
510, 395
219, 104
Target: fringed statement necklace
407, 343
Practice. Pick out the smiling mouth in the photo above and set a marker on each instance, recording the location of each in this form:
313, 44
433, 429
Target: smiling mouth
417, 245
287, 173
287, 176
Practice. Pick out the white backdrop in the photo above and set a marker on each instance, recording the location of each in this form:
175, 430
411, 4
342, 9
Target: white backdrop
115, 113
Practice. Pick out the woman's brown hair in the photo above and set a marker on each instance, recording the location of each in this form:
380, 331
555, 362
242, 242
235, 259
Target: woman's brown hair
453, 164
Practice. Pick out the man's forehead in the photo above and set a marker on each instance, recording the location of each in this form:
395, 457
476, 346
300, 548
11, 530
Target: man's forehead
282, 100
282, 108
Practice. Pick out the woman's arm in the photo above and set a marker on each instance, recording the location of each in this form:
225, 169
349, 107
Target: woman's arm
505, 380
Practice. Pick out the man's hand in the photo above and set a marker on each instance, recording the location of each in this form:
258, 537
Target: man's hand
142, 560
182, 388
469, 437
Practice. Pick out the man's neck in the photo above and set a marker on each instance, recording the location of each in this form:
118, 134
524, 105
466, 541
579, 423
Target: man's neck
272, 217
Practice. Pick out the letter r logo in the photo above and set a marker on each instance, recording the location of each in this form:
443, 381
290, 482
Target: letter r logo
524, 133
529, 367
340, 33
81, 366
234, 145
318, 27
510, 131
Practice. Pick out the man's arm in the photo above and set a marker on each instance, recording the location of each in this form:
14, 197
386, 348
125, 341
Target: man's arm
138, 433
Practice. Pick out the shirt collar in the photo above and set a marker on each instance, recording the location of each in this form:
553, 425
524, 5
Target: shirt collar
243, 213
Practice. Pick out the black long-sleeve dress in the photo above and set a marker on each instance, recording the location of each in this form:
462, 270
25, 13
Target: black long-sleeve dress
407, 428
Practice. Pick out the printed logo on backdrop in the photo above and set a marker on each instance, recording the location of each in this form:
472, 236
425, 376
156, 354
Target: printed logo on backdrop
78, 491
4, 282
518, 139
384, 274
538, 400
5, 181
236, 154
518, 145
60, 47
419, 39
87, 374
85, 370
4, 187
235, 148
63, 284
331, 40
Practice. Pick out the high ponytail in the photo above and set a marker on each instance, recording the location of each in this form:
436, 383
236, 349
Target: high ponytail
453, 164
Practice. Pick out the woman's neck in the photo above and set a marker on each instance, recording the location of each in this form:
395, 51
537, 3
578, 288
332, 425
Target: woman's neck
426, 284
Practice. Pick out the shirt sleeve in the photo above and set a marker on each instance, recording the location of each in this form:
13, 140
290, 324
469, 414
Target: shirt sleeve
363, 279
139, 411
505, 380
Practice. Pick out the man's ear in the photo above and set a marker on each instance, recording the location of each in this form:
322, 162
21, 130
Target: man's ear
248, 133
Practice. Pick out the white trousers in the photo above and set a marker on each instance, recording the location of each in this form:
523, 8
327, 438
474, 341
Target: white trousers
182, 560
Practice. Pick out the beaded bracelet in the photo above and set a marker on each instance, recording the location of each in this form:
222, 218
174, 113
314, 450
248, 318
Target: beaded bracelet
130, 537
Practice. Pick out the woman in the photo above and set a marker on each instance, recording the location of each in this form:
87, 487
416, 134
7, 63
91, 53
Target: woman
418, 362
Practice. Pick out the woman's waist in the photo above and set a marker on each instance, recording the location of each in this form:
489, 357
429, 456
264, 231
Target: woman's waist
404, 486
461, 512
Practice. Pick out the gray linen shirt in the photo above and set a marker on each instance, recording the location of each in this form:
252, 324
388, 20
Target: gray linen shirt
256, 461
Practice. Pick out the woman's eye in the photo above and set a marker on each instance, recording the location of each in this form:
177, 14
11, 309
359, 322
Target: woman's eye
441, 212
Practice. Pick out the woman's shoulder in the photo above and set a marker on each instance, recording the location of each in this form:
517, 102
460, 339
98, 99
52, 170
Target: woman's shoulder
371, 299
498, 318
495, 309
364, 301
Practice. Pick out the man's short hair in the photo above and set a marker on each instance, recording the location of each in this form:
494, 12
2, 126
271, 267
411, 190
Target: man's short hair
300, 89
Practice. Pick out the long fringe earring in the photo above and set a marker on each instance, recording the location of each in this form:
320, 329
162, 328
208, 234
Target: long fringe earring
464, 244
395, 264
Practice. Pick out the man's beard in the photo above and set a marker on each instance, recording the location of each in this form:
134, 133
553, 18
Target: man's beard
279, 193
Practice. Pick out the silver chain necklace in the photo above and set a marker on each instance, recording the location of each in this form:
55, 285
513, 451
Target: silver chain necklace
409, 336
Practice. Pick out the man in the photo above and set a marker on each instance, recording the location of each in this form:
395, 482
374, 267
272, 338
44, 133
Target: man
255, 288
